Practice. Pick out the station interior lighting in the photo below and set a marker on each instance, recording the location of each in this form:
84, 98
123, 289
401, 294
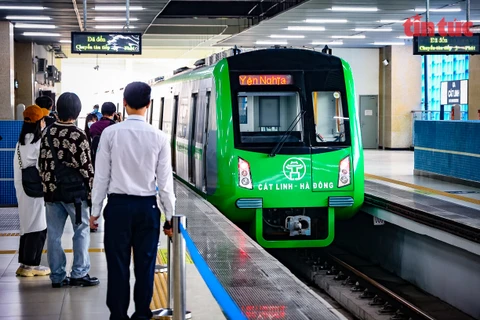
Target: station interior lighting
118, 8
271, 42
438, 10
114, 19
305, 28
281, 36
114, 27
360, 36
28, 18
326, 20
388, 43
373, 29
355, 9
317, 43
22, 8
392, 21
41, 34
66, 41
34, 26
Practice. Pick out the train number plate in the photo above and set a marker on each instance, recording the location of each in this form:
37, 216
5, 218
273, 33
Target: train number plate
378, 221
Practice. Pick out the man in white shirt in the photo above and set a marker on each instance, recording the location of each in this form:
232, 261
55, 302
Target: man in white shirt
132, 158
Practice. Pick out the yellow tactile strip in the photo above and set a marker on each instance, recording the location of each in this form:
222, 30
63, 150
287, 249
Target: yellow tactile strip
425, 189
159, 299
9, 234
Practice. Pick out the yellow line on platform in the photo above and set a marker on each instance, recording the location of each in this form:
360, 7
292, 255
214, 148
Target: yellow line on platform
9, 234
417, 187
159, 299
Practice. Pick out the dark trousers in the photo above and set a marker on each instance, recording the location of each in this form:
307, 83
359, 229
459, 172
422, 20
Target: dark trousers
31, 247
131, 222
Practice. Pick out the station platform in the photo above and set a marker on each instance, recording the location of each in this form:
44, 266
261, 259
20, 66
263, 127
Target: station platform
450, 210
260, 285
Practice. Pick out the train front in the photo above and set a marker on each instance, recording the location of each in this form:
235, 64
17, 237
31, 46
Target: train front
296, 157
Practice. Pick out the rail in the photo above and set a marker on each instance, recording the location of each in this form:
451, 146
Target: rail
381, 288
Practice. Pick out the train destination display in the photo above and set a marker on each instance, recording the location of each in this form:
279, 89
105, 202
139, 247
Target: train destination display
107, 42
446, 44
265, 79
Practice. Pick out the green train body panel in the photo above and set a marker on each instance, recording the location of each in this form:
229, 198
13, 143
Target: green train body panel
284, 180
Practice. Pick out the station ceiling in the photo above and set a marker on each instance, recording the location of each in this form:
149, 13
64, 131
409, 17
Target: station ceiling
185, 25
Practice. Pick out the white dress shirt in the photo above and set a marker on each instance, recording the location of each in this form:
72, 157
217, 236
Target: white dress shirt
132, 158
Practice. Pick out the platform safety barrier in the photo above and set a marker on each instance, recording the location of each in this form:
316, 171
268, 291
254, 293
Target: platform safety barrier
176, 295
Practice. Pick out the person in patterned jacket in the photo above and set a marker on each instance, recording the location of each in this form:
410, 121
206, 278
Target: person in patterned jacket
73, 150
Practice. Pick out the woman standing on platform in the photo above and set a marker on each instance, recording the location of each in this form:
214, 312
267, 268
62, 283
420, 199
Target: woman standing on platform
33, 224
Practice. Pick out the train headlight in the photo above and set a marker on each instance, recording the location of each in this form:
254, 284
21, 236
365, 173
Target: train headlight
344, 172
244, 175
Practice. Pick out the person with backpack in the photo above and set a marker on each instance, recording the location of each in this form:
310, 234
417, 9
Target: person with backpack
108, 112
67, 175
46, 102
133, 158
29, 192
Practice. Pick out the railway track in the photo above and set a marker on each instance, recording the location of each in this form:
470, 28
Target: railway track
365, 290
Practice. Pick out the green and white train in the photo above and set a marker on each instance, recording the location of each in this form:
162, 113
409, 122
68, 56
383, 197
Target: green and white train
271, 138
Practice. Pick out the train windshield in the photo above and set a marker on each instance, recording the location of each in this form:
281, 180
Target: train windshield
265, 117
330, 120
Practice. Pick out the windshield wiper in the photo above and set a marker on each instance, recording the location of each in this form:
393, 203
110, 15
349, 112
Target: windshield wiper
283, 139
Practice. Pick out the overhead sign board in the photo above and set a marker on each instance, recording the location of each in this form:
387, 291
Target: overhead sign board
265, 80
454, 92
426, 45
107, 42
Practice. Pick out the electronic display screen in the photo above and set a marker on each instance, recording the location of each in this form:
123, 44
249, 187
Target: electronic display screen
107, 42
265, 80
426, 45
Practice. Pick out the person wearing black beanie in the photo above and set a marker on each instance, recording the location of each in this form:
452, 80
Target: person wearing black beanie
133, 158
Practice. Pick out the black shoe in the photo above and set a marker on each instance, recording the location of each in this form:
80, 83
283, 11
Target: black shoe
65, 282
86, 281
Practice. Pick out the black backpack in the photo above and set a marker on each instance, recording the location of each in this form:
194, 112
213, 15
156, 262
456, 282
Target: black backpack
69, 182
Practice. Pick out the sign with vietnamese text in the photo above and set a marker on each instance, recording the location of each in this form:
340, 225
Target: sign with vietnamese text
446, 44
454, 92
107, 42
265, 80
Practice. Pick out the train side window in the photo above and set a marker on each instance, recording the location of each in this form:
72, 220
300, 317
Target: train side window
329, 116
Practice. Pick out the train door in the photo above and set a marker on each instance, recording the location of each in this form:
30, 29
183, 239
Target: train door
174, 133
150, 112
191, 140
160, 119
204, 141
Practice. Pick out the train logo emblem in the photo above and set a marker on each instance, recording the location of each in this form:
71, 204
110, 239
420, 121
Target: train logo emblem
294, 169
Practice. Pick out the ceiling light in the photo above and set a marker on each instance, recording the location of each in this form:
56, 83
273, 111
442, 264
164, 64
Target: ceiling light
374, 29
21, 8
360, 36
404, 37
113, 27
28, 18
389, 43
41, 34
65, 41
355, 9
326, 21
393, 21
34, 26
271, 42
305, 28
281, 36
327, 43
118, 8
438, 10
114, 19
